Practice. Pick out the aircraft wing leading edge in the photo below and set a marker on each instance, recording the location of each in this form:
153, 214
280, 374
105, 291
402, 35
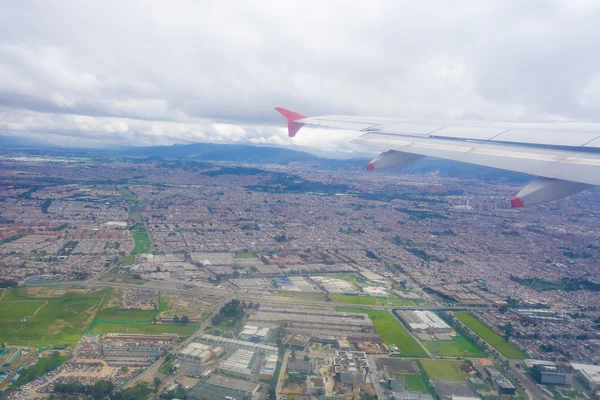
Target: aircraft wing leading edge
564, 162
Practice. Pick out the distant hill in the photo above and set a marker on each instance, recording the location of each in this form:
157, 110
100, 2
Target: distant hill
223, 152
242, 153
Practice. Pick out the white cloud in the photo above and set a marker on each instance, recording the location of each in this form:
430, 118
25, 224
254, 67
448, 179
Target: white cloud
153, 72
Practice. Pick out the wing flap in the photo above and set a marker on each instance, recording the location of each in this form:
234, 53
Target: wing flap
549, 163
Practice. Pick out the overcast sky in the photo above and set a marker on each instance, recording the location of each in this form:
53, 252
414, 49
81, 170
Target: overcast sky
98, 73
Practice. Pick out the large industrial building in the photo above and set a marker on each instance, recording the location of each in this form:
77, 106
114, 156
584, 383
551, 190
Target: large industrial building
351, 367
240, 363
553, 374
198, 353
503, 385
241, 344
269, 369
589, 375
317, 324
424, 322
254, 333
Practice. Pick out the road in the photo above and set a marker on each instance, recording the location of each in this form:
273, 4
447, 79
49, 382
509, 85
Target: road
286, 356
374, 375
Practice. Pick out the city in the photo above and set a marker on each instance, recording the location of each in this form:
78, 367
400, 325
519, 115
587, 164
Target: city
230, 280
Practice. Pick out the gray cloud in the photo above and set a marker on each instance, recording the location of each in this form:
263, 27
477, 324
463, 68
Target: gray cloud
153, 72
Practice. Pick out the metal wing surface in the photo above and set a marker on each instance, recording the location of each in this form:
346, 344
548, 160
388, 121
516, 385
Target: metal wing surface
565, 162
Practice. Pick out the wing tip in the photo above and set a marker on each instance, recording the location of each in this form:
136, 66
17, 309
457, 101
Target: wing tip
292, 117
516, 202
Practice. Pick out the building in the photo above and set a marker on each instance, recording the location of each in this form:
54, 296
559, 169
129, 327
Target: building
553, 374
315, 385
424, 322
351, 367
299, 367
240, 363
254, 333
589, 375
269, 369
198, 353
343, 344
248, 332
503, 385
12, 358
241, 344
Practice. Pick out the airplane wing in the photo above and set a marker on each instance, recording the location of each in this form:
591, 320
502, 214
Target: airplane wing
564, 162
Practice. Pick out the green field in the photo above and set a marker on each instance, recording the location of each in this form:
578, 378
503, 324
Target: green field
127, 260
136, 216
458, 347
491, 337
142, 242
414, 383
369, 300
184, 330
127, 195
118, 315
303, 296
391, 331
245, 254
62, 321
443, 370
347, 299
10, 311
350, 278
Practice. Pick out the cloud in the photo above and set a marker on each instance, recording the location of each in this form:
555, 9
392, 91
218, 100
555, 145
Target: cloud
152, 72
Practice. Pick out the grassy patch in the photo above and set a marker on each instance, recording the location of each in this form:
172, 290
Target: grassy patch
413, 383
391, 331
491, 337
347, 299
142, 242
117, 314
458, 347
443, 370
127, 195
184, 330
163, 302
304, 296
127, 260
16, 310
61, 321
136, 216
43, 366
245, 254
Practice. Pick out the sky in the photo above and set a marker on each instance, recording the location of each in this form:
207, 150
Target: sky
118, 73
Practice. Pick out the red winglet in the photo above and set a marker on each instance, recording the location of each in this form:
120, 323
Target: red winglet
293, 126
516, 202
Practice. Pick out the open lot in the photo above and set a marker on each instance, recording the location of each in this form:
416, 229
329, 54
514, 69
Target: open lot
61, 321
458, 347
414, 383
443, 370
372, 301
142, 242
390, 331
117, 314
16, 310
491, 337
